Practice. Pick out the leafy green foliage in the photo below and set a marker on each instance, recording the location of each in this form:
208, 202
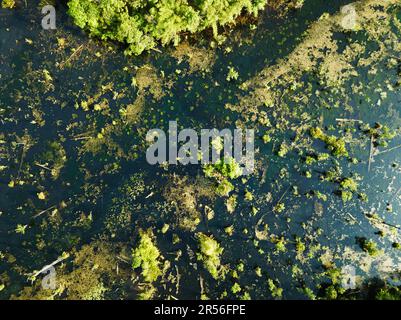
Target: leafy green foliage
143, 24
228, 168
224, 188
275, 291
146, 255
210, 252
223, 170
232, 74
236, 288
8, 4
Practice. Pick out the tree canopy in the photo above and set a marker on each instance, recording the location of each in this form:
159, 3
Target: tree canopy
143, 24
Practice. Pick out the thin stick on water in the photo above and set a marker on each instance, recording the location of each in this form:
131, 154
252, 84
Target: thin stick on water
57, 261
42, 166
389, 150
177, 289
21, 160
385, 223
285, 192
44, 211
349, 120
396, 194
371, 153
201, 285
62, 64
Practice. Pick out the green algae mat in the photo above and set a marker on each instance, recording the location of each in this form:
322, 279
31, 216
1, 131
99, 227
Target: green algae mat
89, 212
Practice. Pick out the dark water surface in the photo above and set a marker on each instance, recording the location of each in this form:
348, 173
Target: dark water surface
93, 186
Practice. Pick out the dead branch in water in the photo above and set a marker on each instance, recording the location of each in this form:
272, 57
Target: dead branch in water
62, 64
349, 120
371, 153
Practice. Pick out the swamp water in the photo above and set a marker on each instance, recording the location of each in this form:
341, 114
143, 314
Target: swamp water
76, 190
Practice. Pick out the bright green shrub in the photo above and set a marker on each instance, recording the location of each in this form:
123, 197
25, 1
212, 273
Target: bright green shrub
147, 256
143, 24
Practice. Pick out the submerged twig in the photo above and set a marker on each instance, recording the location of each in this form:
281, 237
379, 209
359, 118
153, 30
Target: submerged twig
177, 288
384, 222
44, 211
396, 194
42, 166
57, 261
21, 160
71, 56
201, 285
370, 153
390, 149
349, 120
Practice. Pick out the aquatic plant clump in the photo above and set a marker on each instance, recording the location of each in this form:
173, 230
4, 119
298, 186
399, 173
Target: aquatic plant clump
147, 257
143, 24
336, 145
227, 168
209, 254
8, 4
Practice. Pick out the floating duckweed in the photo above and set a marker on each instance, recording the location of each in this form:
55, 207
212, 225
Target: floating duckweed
280, 244
241, 267
41, 195
246, 296
323, 156
310, 160
21, 228
309, 293
321, 196
381, 133
349, 184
